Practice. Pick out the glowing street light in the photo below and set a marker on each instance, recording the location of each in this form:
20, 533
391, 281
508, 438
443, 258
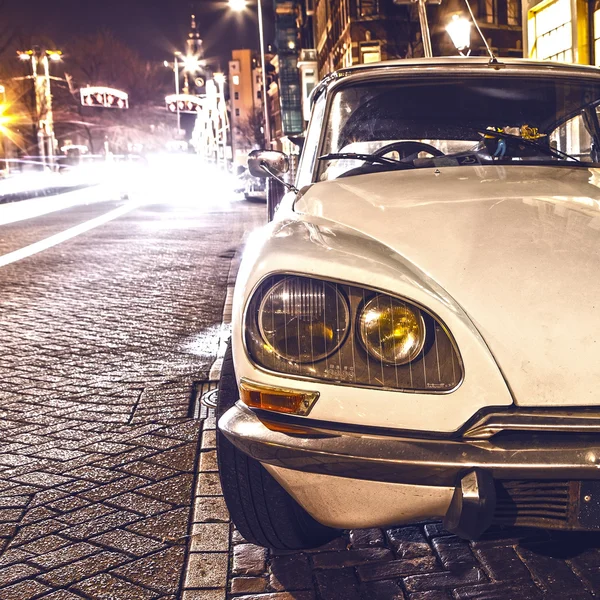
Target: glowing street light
191, 63
237, 5
459, 30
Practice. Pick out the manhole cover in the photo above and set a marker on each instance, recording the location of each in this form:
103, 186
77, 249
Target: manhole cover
210, 398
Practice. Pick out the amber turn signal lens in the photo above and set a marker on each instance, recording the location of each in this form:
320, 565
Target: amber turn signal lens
291, 402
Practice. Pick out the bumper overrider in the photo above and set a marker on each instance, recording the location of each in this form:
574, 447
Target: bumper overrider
545, 481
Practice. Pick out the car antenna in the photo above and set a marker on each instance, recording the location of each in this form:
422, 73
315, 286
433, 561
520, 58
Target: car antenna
493, 60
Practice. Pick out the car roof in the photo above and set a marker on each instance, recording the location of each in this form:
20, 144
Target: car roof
442, 65
445, 62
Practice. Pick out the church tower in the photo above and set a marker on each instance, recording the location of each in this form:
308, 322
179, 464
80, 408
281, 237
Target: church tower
194, 42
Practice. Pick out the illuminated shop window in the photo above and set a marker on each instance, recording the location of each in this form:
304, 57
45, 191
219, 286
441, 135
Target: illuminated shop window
549, 31
597, 37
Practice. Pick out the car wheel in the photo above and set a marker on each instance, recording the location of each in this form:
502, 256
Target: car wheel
264, 513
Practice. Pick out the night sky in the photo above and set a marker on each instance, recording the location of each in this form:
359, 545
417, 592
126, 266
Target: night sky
155, 28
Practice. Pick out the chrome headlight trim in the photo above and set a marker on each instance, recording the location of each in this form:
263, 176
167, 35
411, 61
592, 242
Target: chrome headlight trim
356, 384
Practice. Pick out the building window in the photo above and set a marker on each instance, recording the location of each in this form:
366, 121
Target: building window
367, 8
259, 95
258, 79
236, 80
488, 11
370, 52
513, 12
236, 95
237, 112
549, 31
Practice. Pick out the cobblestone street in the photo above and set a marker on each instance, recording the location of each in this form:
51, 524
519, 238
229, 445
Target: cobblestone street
104, 338
108, 480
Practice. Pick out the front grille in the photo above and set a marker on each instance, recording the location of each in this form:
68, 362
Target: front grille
536, 503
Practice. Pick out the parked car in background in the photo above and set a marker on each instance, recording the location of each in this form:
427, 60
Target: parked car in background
416, 333
255, 189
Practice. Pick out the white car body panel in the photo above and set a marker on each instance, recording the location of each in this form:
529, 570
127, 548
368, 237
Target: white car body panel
314, 246
516, 247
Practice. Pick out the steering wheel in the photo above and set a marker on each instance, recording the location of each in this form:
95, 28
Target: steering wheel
407, 149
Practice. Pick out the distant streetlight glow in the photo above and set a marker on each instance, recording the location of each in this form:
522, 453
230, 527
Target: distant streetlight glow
459, 30
191, 63
237, 5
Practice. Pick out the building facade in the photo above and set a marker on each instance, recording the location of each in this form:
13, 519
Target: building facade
246, 104
350, 32
499, 20
287, 41
562, 30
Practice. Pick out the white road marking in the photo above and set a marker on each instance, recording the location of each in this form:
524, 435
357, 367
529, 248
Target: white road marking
12, 212
68, 234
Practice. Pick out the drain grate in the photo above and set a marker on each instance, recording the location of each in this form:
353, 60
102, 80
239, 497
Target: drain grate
210, 398
204, 399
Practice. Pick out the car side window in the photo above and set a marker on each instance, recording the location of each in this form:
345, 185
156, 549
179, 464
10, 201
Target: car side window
311, 145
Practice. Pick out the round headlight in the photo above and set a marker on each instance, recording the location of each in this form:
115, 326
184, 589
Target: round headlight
303, 320
391, 330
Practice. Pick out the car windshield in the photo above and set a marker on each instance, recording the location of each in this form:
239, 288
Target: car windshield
459, 121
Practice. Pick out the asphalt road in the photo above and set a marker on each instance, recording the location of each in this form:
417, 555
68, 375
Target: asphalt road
110, 315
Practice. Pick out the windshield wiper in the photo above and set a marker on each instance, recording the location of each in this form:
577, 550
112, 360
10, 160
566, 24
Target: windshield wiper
546, 149
370, 158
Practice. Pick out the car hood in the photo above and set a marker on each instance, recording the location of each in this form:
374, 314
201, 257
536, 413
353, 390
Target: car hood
517, 247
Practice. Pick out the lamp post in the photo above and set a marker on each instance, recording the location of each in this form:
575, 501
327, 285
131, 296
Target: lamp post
239, 6
40, 61
459, 30
176, 72
4, 119
425, 35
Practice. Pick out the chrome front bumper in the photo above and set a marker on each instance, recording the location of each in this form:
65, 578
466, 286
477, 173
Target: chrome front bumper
495, 480
409, 460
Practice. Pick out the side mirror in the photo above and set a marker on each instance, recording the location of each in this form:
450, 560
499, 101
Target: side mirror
267, 163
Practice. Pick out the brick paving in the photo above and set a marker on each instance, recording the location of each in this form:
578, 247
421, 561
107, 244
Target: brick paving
104, 339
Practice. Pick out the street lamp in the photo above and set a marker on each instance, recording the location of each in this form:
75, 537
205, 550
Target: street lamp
43, 97
459, 30
4, 120
176, 56
238, 6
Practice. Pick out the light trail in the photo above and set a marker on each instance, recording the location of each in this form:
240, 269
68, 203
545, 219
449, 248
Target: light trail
68, 234
21, 210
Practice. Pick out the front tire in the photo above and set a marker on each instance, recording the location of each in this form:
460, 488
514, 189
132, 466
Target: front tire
264, 513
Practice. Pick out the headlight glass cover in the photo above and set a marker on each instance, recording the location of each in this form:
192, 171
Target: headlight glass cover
303, 319
391, 330
310, 328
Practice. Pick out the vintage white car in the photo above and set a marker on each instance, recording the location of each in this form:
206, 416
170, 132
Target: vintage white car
417, 333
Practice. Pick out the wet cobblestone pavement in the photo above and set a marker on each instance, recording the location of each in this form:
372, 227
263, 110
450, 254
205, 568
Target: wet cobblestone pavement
103, 339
